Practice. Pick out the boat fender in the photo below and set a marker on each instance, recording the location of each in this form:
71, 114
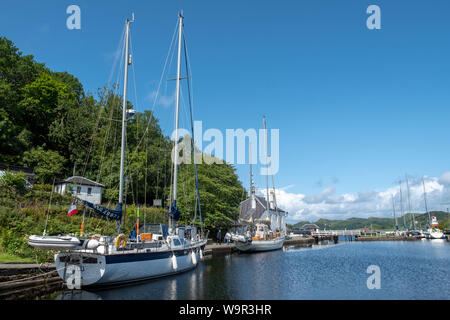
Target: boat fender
174, 262
121, 241
194, 258
92, 244
201, 254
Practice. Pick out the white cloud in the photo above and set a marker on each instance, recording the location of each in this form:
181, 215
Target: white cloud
329, 205
445, 178
163, 100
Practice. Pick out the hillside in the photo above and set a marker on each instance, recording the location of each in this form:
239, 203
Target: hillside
379, 223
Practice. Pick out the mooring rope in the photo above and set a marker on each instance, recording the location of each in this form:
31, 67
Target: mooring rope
28, 278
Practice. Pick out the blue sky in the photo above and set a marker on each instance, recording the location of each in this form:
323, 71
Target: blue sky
356, 108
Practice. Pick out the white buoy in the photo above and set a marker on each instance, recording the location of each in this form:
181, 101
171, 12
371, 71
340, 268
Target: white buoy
194, 258
174, 262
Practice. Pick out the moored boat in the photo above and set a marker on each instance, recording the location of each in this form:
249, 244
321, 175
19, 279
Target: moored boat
157, 251
262, 222
433, 231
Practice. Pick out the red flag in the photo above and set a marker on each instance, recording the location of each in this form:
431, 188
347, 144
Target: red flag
73, 209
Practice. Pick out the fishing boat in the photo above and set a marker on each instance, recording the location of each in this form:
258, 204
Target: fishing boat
159, 250
262, 225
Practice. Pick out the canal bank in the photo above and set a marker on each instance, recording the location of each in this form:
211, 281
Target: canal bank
20, 281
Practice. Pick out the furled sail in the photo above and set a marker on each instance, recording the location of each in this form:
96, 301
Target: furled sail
174, 212
115, 214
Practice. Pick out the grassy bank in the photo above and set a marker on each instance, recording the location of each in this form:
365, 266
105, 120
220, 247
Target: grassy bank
5, 257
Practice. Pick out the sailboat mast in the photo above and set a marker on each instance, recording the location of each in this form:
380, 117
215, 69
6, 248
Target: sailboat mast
267, 164
395, 217
175, 172
124, 110
401, 204
425, 199
409, 202
274, 195
251, 172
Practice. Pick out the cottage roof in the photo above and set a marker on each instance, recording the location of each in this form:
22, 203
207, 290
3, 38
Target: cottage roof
81, 181
249, 214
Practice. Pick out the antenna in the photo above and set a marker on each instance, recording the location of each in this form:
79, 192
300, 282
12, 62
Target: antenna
132, 17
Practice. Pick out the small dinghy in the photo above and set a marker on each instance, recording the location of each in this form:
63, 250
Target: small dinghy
53, 242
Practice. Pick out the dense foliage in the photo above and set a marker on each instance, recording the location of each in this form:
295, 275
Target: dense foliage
49, 123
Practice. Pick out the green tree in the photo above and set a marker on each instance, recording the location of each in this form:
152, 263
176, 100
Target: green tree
16, 71
44, 102
220, 192
47, 164
14, 181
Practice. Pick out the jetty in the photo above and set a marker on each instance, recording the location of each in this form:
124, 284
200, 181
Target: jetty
28, 280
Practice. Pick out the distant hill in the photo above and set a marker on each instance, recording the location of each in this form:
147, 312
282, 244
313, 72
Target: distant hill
379, 223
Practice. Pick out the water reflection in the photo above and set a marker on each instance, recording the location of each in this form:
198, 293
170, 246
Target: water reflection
78, 295
324, 271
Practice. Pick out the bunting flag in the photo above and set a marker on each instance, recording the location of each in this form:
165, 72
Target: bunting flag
73, 209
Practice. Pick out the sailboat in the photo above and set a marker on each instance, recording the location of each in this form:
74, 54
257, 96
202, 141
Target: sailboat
432, 232
161, 251
263, 226
396, 231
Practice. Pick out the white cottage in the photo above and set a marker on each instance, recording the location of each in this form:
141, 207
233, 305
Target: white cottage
81, 188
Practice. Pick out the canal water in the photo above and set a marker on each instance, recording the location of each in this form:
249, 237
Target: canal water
407, 270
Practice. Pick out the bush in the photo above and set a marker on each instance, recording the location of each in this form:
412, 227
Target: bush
15, 182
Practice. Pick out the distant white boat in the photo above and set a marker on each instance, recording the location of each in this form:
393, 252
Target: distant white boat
432, 234
433, 231
264, 240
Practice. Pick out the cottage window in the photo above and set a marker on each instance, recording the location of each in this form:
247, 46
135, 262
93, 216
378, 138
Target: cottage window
89, 190
78, 190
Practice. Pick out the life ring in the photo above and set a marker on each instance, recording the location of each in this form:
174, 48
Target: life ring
121, 241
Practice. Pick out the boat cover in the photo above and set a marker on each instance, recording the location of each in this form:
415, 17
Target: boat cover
174, 212
115, 214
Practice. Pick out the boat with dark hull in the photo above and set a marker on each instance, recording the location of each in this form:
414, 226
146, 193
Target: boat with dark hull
159, 251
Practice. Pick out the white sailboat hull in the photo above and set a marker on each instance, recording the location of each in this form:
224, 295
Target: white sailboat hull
99, 269
260, 245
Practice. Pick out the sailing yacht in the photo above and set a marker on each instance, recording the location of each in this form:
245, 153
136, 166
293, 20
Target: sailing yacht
161, 250
263, 224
